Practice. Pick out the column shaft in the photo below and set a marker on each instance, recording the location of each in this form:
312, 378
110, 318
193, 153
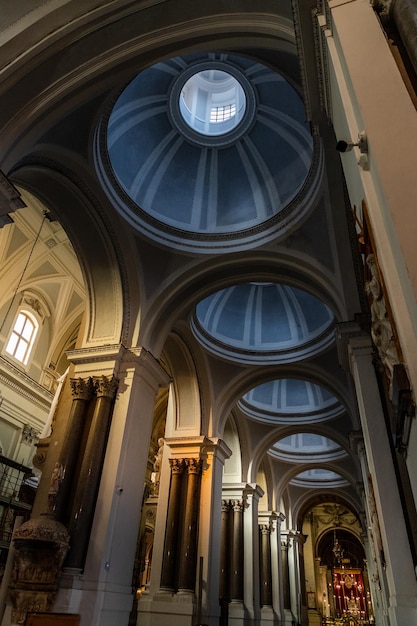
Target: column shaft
266, 579
188, 549
236, 574
89, 477
82, 390
224, 554
173, 526
285, 575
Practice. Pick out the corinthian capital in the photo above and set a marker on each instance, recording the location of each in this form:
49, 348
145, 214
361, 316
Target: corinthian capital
105, 387
81, 388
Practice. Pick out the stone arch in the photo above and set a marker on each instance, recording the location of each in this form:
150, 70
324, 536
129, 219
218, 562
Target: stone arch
184, 415
104, 321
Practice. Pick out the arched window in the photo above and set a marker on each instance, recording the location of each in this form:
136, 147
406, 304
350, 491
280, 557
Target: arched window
22, 337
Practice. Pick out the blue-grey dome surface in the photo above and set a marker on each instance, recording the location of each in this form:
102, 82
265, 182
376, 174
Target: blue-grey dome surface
290, 400
197, 183
263, 321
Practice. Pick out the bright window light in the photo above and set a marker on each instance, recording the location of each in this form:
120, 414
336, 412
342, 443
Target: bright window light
22, 337
223, 113
212, 102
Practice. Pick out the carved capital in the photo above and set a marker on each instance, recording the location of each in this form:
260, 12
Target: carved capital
177, 466
194, 466
237, 506
29, 435
105, 387
81, 388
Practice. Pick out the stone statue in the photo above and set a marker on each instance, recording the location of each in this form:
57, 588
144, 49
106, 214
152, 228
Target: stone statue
56, 478
381, 329
156, 474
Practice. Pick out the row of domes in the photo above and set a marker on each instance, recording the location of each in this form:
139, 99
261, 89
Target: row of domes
207, 147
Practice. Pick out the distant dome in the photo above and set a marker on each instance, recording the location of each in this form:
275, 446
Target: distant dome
208, 144
307, 447
256, 322
288, 400
319, 478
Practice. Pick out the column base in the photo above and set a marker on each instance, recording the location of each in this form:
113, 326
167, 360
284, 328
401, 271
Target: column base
237, 613
288, 618
268, 616
166, 609
314, 618
106, 605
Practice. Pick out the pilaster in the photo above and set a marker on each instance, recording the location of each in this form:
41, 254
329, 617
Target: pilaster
268, 531
184, 582
398, 565
102, 594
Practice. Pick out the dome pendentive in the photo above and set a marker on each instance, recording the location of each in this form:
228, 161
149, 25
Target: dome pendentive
263, 322
209, 152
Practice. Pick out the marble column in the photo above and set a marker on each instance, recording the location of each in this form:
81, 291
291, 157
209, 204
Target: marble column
357, 349
214, 452
276, 565
224, 592
103, 595
266, 577
295, 573
236, 570
176, 595
168, 574
252, 494
188, 547
285, 573
82, 392
89, 476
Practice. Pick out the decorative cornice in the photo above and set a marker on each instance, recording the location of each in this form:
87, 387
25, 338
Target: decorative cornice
301, 56
321, 29
14, 378
96, 354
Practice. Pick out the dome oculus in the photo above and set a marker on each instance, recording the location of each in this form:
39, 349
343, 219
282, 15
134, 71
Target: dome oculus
212, 102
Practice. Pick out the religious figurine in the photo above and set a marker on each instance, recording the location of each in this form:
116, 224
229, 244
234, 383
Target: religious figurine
156, 474
381, 329
56, 478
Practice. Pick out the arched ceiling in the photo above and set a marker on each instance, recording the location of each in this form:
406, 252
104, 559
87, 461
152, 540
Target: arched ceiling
189, 194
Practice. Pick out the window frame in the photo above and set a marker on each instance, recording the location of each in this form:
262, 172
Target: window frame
17, 331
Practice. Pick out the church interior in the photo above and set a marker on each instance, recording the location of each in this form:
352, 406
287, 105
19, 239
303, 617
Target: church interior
208, 313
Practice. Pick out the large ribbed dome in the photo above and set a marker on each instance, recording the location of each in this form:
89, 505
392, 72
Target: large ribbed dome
270, 322
208, 145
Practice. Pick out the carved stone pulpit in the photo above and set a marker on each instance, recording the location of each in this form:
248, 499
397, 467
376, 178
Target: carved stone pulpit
40, 548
